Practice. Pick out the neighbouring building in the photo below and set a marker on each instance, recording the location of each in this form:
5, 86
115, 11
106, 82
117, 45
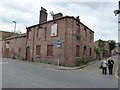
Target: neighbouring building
106, 49
77, 40
14, 46
4, 34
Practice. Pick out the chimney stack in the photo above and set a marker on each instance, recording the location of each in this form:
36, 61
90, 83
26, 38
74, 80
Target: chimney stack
57, 15
43, 15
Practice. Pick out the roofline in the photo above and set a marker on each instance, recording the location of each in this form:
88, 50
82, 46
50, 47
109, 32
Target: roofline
58, 19
12, 37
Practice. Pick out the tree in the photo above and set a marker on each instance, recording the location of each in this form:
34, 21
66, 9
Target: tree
112, 44
100, 50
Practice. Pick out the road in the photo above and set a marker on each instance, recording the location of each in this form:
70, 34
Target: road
17, 74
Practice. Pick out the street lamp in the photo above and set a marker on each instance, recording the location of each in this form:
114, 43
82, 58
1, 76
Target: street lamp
14, 38
14, 27
118, 12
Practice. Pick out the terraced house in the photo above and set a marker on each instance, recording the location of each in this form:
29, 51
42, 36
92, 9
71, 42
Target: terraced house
76, 39
14, 46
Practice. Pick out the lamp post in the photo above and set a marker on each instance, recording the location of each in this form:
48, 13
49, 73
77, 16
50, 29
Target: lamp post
118, 12
14, 38
14, 27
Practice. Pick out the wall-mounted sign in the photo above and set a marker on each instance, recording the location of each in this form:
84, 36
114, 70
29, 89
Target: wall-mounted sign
54, 30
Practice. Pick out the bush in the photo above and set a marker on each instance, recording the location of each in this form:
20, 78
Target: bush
21, 58
81, 61
13, 57
48, 62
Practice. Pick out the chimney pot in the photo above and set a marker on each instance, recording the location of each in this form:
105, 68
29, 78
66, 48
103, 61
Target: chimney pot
57, 15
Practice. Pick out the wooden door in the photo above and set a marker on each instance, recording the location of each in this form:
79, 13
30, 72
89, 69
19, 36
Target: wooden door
6, 52
28, 53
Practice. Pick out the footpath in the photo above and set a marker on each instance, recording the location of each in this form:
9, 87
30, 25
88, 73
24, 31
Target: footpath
52, 66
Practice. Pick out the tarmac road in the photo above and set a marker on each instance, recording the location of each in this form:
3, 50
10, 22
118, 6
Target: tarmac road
24, 75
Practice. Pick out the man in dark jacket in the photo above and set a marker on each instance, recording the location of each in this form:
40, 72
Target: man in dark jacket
110, 66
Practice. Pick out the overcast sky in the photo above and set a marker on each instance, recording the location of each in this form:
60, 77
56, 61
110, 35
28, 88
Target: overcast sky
98, 16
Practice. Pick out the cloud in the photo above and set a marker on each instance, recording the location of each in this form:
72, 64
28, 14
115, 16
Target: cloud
98, 16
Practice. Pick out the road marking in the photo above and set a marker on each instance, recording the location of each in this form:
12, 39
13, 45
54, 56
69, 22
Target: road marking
4, 63
116, 73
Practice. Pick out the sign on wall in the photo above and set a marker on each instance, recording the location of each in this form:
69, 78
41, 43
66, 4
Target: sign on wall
54, 30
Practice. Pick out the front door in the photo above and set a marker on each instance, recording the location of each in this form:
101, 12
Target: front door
28, 53
7, 52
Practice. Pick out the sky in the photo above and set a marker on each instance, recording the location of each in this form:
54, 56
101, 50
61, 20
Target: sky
98, 16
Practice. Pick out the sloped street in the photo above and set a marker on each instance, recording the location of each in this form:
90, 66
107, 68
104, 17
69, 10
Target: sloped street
17, 74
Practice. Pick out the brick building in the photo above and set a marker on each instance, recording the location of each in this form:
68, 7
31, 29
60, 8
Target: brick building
76, 39
14, 46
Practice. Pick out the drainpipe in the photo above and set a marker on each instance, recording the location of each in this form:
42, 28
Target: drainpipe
65, 43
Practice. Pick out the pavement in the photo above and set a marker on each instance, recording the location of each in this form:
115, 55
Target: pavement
52, 66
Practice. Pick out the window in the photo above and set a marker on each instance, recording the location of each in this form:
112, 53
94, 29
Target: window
19, 50
37, 34
90, 37
49, 50
7, 44
54, 30
77, 51
38, 49
77, 28
85, 51
90, 52
85, 33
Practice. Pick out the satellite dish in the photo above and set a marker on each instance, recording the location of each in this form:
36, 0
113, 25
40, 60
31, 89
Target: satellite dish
51, 13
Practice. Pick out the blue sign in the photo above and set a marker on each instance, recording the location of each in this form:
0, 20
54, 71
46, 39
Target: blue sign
58, 42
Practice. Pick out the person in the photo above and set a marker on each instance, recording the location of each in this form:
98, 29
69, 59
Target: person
110, 66
104, 66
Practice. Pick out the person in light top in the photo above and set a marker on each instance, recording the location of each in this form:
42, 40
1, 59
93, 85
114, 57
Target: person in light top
104, 66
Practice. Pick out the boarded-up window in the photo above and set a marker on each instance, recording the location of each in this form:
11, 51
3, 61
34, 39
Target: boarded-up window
19, 50
85, 51
90, 52
49, 50
77, 51
37, 34
38, 49
90, 37
85, 34
54, 30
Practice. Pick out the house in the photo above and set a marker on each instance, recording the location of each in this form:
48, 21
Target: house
14, 46
77, 40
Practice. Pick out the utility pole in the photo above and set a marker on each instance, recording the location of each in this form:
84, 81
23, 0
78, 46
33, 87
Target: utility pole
14, 27
14, 38
117, 12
